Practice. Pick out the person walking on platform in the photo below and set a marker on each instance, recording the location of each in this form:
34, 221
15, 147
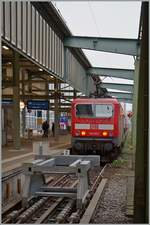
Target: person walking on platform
53, 129
45, 127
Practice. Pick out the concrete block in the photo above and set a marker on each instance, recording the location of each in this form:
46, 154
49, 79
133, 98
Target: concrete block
41, 148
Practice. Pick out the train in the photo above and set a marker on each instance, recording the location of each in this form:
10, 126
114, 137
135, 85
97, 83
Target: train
99, 126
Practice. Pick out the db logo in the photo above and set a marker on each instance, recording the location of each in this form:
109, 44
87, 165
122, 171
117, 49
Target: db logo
94, 126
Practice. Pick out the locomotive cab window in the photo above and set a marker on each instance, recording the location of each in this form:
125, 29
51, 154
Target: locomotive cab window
92, 110
104, 111
85, 110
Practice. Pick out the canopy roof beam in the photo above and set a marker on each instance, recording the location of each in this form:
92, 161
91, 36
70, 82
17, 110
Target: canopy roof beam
111, 72
121, 87
113, 45
121, 95
125, 100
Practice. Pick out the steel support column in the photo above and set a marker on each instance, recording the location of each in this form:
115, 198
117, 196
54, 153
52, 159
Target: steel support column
16, 101
114, 45
29, 85
47, 94
23, 110
135, 100
23, 121
30, 97
141, 196
56, 112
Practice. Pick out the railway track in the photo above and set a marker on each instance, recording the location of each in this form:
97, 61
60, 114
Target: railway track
35, 204
56, 210
52, 211
8, 175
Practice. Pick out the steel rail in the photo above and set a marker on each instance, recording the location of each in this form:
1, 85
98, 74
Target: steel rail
52, 208
93, 203
17, 213
78, 215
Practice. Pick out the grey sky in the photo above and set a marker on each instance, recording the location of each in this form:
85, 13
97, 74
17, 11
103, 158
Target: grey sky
105, 19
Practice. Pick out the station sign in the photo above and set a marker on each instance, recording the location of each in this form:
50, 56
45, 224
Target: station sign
7, 101
36, 104
63, 122
64, 119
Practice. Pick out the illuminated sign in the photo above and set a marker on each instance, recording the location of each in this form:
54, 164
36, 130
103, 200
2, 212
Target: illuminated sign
36, 104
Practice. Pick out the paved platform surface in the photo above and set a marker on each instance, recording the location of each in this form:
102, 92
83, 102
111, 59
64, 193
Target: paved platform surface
12, 158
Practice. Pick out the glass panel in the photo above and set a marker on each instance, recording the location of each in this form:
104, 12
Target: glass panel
2, 19
94, 111
103, 111
40, 40
85, 110
37, 36
29, 28
7, 20
47, 45
43, 55
24, 26
19, 24
50, 49
33, 33
62, 59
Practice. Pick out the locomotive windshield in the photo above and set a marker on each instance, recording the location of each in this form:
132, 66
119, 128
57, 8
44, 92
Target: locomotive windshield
94, 111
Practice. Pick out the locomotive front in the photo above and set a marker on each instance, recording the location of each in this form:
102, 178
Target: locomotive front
94, 126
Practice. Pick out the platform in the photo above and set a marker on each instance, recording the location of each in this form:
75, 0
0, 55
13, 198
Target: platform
12, 158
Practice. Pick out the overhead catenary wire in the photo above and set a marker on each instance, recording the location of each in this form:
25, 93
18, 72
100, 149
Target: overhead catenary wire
98, 32
94, 19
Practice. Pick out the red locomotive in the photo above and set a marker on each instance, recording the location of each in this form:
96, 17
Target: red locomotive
98, 126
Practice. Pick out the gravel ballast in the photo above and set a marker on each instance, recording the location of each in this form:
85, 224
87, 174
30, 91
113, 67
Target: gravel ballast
111, 207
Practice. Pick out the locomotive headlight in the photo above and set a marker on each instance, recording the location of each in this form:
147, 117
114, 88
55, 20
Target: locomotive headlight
104, 133
83, 133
